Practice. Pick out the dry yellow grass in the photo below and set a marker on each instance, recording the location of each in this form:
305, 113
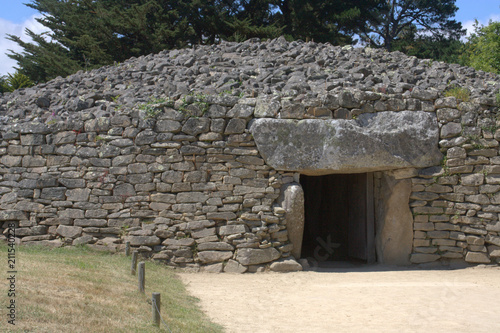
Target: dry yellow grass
80, 290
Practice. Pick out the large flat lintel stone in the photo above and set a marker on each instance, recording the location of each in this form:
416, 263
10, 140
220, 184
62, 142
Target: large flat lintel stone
373, 142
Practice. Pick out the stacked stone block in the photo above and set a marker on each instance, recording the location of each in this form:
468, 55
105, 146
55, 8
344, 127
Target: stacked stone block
455, 205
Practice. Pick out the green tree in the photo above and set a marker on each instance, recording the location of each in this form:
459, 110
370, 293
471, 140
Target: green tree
85, 34
14, 81
324, 21
440, 48
3, 84
424, 18
482, 49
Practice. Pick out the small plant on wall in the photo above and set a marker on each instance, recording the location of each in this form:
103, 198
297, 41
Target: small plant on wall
460, 93
154, 106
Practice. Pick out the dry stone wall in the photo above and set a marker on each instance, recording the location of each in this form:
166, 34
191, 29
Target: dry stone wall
158, 151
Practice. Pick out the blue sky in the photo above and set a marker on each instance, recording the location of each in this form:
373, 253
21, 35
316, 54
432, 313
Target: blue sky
15, 17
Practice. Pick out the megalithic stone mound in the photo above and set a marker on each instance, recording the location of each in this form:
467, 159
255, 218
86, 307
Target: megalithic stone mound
196, 156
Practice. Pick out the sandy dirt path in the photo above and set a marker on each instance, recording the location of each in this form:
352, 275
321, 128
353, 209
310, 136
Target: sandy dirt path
365, 299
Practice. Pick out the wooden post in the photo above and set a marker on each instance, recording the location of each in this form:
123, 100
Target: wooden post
142, 276
127, 248
156, 301
134, 262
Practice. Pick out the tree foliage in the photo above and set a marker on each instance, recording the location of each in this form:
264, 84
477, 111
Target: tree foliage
85, 34
324, 21
482, 50
422, 18
440, 48
14, 81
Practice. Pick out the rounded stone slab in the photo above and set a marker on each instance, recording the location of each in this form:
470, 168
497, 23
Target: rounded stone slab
372, 142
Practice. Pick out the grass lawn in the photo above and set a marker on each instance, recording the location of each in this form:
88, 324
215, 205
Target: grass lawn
77, 289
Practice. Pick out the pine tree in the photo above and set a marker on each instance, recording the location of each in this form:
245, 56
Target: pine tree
389, 24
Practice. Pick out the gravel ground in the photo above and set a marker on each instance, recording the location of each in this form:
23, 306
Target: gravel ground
353, 299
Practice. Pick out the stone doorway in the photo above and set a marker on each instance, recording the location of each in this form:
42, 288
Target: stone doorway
338, 218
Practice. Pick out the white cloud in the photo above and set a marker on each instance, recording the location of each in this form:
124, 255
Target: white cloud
469, 25
8, 27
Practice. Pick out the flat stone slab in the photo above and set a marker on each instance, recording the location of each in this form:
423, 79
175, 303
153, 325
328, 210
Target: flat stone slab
248, 256
372, 142
286, 265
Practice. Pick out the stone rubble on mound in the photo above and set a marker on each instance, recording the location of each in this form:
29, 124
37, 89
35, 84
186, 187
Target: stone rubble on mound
285, 72
163, 151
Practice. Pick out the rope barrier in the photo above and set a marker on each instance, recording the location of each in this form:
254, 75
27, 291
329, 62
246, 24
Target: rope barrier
164, 323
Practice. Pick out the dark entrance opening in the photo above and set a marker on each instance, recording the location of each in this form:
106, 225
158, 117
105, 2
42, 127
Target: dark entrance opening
339, 218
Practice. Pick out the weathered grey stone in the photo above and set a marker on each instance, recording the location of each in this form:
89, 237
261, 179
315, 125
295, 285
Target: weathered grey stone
475, 179
240, 111
292, 201
125, 190
266, 108
394, 233
179, 242
450, 130
163, 197
145, 138
249, 256
477, 257
221, 216
83, 240
140, 178
215, 246
373, 142
212, 268
12, 215
11, 161
191, 197
86, 152
33, 128
203, 233
233, 266
170, 126
456, 152
292, 111
286, 265
232, 229
90, 223
235, 126
64, 138
123, 160
97, 125
424, 196
79, 194
242, 190
71, 214
143, 240
348, 100
209, 257
53, 193
69, 231
492, 239
195, 126
448, 114
32, 139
